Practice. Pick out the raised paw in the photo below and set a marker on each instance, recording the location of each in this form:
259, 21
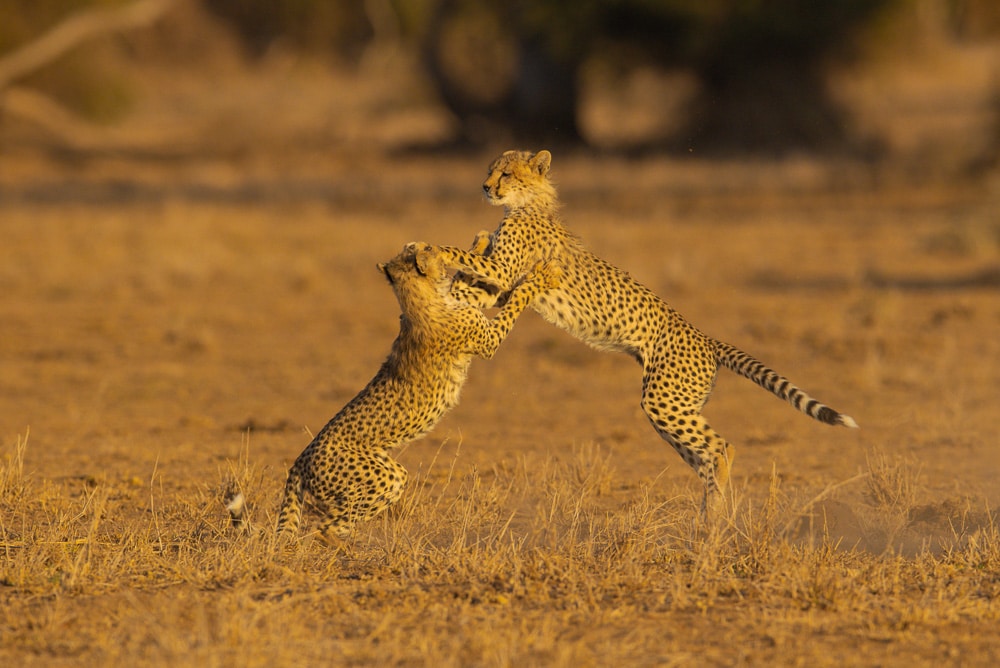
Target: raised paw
480, 243
547, 274
417, 246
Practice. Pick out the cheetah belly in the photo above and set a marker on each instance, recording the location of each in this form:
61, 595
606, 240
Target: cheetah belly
589, 322
407, 409
432, 396
458, 372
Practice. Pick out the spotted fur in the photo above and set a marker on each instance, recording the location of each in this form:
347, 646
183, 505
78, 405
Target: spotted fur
605, 307
346, 471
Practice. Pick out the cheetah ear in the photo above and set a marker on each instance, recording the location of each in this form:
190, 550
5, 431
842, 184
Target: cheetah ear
541, 162
420, 259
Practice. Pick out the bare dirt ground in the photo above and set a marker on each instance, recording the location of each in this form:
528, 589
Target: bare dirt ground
174, 319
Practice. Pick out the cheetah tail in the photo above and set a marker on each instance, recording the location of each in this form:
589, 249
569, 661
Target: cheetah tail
291, 503
740, 362
236, 504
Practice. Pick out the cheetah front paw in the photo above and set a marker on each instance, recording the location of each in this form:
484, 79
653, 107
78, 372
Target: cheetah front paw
547, 274
418, 247
481, 243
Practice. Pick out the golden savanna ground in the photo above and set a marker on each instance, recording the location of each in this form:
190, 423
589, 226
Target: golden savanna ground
174, 323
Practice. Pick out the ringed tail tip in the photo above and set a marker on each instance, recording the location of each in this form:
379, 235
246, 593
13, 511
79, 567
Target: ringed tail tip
848, 421
236, 505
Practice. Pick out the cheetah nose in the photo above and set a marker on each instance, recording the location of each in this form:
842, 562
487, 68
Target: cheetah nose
486, 189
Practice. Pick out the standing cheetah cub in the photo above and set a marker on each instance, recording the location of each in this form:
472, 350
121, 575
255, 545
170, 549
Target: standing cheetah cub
603, 306
346, 470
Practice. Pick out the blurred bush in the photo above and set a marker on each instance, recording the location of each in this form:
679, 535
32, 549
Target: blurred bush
760, 63
514, 67
335, 26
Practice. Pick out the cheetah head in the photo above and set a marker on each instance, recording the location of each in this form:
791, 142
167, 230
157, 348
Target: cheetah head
417, 274
518, 178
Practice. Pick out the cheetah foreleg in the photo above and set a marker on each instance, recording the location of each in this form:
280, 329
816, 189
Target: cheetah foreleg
546, 275
479, 281
466, 287
479, 267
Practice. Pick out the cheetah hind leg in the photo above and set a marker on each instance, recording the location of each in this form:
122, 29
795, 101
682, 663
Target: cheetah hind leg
335, 529
366, 501
291, 503
704, 450
393, 480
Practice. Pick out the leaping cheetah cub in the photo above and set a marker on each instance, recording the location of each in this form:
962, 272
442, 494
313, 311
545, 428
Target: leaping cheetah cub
346, 470
605, 307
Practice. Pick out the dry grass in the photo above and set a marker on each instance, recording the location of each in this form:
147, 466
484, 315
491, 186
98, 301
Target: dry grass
527, 563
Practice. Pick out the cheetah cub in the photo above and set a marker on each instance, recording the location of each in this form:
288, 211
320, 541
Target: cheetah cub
346, 470
603, 306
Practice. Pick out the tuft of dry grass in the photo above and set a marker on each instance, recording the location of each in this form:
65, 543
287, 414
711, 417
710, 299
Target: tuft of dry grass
12, 481
892, 483
534, 562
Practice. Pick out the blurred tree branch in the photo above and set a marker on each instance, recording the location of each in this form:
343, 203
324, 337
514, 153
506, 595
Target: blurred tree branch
80, 27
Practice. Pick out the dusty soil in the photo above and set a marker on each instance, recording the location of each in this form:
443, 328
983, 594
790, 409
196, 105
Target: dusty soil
164, 311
